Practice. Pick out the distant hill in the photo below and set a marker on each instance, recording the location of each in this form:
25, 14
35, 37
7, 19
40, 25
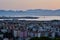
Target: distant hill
35, 12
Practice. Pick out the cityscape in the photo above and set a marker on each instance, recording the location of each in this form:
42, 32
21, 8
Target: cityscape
16, 28
29, 20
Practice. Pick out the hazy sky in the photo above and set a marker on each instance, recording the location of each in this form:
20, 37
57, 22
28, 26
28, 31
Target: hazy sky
29, 4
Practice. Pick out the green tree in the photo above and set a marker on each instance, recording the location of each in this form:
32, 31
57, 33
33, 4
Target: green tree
57, 38
34, 38
41, 38
45, 38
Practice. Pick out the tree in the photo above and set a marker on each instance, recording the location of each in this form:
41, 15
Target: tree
45, 38
41, 38
34, 38
57, 38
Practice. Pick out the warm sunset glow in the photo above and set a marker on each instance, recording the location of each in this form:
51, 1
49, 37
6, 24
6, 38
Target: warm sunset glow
29, 4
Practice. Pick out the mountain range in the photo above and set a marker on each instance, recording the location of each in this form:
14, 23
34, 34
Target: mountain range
34, 12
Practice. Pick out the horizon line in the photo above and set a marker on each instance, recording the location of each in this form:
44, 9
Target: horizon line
27, 9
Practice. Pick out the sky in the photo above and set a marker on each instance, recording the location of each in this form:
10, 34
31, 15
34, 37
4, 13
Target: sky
29, 4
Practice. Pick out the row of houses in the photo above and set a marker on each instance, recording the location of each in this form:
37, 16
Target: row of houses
24, 30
